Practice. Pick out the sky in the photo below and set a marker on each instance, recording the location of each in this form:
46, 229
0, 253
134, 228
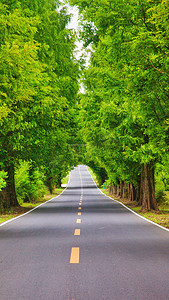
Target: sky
74, 25
79, 51
74, 20
79, 45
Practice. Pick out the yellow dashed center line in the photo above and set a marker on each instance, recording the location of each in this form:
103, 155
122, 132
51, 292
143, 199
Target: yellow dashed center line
77, 232
78, 221
74, 258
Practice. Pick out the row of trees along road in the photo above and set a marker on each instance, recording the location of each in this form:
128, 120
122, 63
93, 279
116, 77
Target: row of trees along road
124, 113
38, 87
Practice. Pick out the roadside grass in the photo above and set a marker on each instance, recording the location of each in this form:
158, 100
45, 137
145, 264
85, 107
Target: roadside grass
25, 207
65, 180
161, 217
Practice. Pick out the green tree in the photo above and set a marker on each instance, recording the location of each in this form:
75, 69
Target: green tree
38, 90
125, 110
20, 71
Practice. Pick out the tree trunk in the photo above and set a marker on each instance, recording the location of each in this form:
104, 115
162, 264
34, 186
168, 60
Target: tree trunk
50, 187
122, 190
118, 190
49, 183
137, 190
111, 189
148, 200
8, 196
59, 180
128, 191
132, 192
103, 175
123, 194
114, 189
141, 188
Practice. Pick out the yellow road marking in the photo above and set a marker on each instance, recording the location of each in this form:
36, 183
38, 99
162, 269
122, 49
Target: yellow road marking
78, 221
79, 208
79, 214
77, 232
80, 203
74, 258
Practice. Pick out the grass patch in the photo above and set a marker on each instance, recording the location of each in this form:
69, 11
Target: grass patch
65, 180
161, 217
25, 207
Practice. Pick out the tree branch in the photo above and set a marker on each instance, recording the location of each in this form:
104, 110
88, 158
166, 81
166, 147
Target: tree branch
162, 72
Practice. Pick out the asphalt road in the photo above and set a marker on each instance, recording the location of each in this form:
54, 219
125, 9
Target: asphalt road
114, 254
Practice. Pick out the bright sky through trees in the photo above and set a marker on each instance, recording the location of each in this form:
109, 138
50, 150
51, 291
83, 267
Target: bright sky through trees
74, 24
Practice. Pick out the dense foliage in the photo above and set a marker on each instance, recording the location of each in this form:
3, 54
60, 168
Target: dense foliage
29, 188
38, 87
125, 111
123, 115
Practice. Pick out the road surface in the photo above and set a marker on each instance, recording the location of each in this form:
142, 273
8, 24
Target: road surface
83, 246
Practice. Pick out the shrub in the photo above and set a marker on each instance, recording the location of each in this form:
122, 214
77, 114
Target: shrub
29, 183
3, 175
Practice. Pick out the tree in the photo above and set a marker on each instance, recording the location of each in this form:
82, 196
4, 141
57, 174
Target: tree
38, 90
125, 110
20, 71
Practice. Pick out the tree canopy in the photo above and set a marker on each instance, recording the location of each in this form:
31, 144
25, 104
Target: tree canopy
125, 110
38, 86
119, 126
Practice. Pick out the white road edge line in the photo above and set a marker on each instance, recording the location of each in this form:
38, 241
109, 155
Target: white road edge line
13, 219
80, 180
130, 209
